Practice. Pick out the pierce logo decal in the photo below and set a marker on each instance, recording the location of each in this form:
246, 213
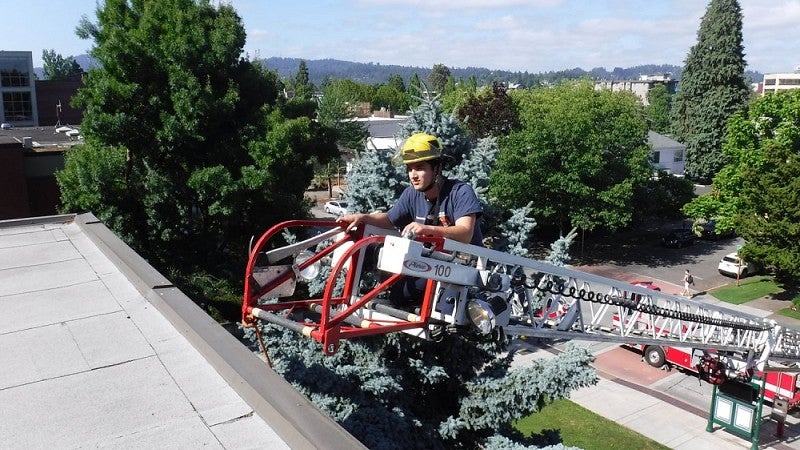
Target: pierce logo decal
416, 266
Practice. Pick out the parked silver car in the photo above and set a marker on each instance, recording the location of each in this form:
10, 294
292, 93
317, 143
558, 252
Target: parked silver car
336, 207
731, 265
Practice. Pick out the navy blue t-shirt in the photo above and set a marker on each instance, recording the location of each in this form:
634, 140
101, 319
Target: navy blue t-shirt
458, 200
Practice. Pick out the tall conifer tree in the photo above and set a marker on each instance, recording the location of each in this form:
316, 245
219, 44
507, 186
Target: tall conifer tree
712, 88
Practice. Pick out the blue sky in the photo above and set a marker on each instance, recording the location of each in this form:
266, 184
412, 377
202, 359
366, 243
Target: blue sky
517, 35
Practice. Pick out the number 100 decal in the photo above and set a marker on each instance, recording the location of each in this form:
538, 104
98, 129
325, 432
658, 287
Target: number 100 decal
442, 271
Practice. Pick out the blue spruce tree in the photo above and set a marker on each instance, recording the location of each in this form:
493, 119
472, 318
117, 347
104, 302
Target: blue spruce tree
400, 392
372, 184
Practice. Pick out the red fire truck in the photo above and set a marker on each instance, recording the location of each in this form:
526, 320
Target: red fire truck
784, 384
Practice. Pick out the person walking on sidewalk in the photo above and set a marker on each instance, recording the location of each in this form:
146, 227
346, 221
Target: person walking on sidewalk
688, 280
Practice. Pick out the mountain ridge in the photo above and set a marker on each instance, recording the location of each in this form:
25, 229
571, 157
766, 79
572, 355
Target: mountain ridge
375, 73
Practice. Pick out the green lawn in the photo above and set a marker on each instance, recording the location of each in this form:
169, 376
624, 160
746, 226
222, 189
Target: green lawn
582, 428
753, 288
748, 289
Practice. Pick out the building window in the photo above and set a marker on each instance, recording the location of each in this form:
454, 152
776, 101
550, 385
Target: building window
655, 157
17, 106
769, 81
789, 81
678, 156
14, 72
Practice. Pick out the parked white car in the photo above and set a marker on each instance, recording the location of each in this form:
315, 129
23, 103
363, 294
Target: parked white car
731, 265
336, 207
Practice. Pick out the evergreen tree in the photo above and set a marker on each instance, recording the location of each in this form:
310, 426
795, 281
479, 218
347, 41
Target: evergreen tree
712, 88
415, 89
401, 392
396, 81
373, 183
559, 250
302, 83
188, 152
429, 118
437, 79
517, 231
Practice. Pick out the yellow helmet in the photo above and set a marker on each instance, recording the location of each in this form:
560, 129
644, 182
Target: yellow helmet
420, 147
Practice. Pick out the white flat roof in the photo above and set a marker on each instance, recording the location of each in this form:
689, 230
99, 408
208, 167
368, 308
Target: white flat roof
97, 349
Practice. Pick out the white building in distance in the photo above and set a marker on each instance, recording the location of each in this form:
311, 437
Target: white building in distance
774, 82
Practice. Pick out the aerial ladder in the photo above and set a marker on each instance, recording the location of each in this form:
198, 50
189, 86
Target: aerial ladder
486, 293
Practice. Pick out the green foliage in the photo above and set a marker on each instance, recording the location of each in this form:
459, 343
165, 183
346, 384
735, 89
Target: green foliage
437, 79
335, 111
187, 152
373, 184
578, 156
390, 98
757, 192
398, 391
453, 100
658, 109
517, 231
712, 88
464, 391
415, 89
429, 118
396, 82
662, 197
56, 67
94, 175
490, 113
559, 250
302, 85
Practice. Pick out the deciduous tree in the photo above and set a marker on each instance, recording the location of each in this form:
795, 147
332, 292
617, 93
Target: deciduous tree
336, 111
578, 156
56, 67
658, 109
489, 113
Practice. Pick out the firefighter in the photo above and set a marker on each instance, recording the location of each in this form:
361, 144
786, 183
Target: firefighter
432, 205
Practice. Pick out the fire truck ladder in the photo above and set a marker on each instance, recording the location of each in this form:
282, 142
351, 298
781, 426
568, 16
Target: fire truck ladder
603, 309
471, 286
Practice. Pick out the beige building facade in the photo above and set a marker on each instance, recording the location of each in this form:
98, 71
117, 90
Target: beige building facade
774, 82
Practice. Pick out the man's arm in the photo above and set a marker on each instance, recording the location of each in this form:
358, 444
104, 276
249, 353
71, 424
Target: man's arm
461, 231
378, 219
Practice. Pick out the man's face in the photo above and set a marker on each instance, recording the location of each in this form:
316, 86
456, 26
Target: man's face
420, 174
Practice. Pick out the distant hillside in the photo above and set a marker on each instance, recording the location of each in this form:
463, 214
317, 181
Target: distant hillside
374, 73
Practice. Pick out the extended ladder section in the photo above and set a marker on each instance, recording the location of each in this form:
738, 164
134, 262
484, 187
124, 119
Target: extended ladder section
571, 304
476, 290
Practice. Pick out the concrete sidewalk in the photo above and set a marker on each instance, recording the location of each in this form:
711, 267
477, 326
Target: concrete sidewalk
670, 421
